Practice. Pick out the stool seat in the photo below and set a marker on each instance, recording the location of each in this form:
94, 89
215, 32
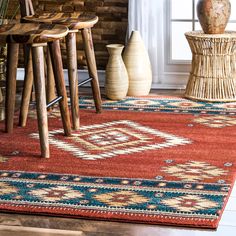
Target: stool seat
74, 21
31, 33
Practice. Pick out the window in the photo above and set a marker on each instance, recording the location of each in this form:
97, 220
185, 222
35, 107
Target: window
163, 24
183, 19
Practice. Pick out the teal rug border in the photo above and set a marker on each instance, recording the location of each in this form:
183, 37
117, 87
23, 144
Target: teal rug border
161, 104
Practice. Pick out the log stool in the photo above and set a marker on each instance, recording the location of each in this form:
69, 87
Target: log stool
75, 22
36, 36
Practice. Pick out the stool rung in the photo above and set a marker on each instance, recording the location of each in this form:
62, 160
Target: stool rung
54, 101
85, 81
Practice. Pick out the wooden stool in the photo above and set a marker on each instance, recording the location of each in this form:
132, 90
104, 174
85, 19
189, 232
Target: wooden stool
35, 36
75, 22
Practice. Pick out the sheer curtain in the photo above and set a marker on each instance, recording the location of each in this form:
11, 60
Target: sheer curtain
146, 16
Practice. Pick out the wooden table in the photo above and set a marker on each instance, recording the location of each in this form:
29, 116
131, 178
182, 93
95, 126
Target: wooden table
213, 74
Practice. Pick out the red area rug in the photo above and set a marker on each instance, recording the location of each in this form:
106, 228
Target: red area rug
157, 168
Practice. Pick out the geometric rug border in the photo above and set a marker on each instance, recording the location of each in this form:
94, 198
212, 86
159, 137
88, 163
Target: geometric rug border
143, 197
165, 105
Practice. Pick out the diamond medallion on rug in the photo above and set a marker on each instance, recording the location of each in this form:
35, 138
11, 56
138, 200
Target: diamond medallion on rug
113, 139
129, 166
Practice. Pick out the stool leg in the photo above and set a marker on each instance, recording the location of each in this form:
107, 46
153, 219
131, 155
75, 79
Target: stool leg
1, 96
91, 62
39, 81
12, 62
27, 88
73, 78
50, 79
55, 52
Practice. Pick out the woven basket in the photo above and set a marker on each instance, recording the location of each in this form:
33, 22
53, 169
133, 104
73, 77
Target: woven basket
213, 74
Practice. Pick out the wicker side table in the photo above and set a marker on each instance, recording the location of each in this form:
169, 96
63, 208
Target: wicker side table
213, 74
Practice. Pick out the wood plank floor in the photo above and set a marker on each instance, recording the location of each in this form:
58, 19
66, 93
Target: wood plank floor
28, 225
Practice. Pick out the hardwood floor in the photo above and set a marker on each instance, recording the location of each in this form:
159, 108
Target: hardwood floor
28, 225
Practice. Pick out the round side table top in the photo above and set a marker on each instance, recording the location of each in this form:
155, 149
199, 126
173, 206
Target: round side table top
201, 34
74, 21
31, 33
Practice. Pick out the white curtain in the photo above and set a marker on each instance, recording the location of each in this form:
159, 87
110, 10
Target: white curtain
146, 16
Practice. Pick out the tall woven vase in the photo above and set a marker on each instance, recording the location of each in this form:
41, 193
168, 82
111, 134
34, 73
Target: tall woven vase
213, 15
116, 84
138, 65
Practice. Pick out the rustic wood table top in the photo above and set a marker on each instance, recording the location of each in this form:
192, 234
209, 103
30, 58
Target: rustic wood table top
31, 33
73, 21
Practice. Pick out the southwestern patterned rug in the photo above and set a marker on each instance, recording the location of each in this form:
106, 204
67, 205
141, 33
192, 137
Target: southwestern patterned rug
130, 166
176, 104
